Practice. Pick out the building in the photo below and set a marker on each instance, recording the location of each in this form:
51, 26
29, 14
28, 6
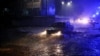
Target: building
40, 7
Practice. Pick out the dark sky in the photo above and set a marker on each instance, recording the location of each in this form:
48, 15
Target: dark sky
18, 3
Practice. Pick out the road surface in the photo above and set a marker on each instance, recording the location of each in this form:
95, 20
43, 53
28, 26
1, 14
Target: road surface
34, 44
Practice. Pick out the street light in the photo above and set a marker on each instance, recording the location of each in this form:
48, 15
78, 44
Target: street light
62, 2
69, 3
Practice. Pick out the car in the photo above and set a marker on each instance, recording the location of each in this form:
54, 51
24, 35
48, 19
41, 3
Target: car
59, 28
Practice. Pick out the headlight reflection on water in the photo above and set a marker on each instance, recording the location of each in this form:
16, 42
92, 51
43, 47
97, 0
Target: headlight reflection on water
58, 50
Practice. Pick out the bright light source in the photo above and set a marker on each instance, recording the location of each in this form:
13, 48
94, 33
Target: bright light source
69, 3
62, 3
43, 33
57, 34
83, 21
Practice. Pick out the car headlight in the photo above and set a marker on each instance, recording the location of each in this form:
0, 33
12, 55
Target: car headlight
84, 21
43, 33
57, 34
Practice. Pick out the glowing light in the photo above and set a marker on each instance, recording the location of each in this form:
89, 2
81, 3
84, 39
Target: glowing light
57, 34
97, 13
94, 16
43, 33
99, 7
51, 11
69, 3
62, 3
6, 9
71, 21
58, 50
83, 21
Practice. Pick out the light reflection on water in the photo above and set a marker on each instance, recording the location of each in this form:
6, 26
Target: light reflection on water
67, 46
64, 46
77, 45
47, 50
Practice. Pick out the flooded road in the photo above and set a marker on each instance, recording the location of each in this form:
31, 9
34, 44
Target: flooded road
42, 45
